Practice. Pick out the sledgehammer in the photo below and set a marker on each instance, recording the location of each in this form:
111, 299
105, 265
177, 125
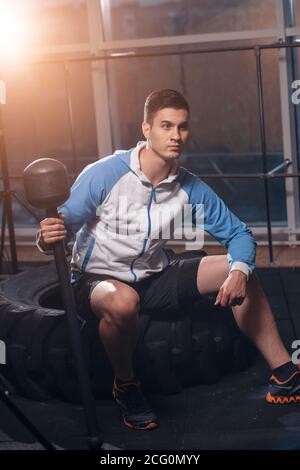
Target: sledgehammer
47, 186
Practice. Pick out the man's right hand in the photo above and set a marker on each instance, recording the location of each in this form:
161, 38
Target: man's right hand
52, 230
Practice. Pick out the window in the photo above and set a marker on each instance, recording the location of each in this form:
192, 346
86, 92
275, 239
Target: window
48, 114
225, 137
58, 22
128, 19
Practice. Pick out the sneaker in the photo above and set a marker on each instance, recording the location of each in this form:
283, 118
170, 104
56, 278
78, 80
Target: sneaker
136, 411
284, 392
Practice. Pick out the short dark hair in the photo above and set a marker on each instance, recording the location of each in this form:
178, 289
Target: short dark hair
161, 99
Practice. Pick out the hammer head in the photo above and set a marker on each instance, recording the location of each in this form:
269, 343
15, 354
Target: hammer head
46, 183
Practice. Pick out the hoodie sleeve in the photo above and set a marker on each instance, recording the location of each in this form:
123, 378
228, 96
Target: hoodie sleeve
88, 192
224, 226
86, 195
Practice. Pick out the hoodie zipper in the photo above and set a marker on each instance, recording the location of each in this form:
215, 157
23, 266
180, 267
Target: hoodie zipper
152, 197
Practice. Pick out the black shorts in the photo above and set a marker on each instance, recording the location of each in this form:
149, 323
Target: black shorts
165, 293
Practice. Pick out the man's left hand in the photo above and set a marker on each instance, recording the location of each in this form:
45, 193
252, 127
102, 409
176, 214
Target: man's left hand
233, 290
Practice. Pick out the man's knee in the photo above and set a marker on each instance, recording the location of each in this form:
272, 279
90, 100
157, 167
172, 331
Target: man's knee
118, 305
124, 306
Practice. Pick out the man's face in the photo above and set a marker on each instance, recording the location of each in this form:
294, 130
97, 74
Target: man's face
168, 133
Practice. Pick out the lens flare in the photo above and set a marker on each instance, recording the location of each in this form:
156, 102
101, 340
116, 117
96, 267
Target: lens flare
13, 30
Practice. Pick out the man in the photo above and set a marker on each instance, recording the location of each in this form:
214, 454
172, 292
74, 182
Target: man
126, 272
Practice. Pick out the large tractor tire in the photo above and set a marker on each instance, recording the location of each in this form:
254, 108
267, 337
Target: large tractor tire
205, 344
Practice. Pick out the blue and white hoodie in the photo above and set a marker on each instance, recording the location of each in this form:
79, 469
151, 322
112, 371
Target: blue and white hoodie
114, 192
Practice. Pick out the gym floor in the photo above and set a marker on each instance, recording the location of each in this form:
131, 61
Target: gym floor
230, 414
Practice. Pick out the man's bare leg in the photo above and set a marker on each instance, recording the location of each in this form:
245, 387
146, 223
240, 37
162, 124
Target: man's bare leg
117, 306
254, 316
